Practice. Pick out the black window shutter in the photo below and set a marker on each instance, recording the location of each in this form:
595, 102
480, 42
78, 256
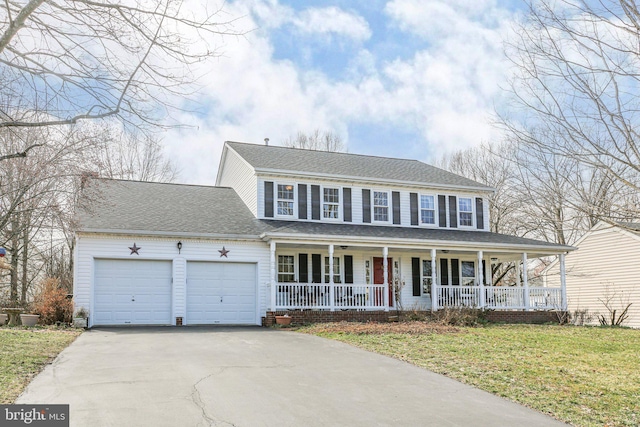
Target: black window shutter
455, 272
348, 269
484, 273
395, 201
303, 268
453, 211
413, 205
479, 214
316, 268
444, 272
366, 205
442, 210
346, 204
415, 276
315, 202
268, 199
302, 201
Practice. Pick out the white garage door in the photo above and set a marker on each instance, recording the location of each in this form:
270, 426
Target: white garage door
221, 293
132, 292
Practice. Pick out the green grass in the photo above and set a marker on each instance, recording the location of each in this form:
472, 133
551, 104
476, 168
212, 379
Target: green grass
585, 376
24, 352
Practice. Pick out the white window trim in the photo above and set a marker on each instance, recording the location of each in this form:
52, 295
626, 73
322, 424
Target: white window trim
389, 207
294, 215
322, 203
473, 212
295, 267
436, 217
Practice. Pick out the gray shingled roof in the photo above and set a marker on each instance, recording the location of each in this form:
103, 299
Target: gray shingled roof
385, 232
132, 206
351, 165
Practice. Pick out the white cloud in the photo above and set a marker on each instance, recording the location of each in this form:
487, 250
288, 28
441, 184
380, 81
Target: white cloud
333, 21
445, 91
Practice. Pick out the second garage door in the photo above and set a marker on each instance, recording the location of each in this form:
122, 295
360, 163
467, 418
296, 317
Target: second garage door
221, 293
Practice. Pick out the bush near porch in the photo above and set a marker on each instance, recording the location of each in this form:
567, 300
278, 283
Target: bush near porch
585, 376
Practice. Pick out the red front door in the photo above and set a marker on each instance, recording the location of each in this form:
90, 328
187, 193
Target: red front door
378, 275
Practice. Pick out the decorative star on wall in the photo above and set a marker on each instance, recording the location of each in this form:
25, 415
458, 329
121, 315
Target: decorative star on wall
134, 249
224, 252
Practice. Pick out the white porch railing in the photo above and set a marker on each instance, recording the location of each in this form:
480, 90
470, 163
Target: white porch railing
318, 296
499, 297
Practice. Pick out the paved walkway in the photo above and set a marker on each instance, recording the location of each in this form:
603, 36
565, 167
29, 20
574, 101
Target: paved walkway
254, 377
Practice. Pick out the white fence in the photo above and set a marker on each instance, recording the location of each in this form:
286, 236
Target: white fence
500, 297
322, 296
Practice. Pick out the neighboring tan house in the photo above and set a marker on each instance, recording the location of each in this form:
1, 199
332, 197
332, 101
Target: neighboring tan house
605, 268
290, 229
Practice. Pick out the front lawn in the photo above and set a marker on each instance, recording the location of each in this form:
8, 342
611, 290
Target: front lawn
586, 376
24, 353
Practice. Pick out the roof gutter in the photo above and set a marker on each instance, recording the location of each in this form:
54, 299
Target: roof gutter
168, 234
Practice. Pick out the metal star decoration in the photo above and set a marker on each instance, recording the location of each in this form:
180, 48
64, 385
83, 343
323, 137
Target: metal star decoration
134, 249
224, 252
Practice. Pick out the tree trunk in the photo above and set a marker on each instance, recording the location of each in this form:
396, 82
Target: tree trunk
25, 259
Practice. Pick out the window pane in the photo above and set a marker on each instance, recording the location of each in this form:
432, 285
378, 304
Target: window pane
426, 202
468, 272
286, 270
380, 214
285, 208
427, 217
466, 219
285, 191
331, 195
426, 276
380, 198
336, 270
464, 205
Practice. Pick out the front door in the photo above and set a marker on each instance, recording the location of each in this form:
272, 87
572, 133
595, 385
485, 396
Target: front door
378, 275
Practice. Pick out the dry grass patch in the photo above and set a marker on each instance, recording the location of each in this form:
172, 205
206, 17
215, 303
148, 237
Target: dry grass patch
586, 376
374, 328
24, 353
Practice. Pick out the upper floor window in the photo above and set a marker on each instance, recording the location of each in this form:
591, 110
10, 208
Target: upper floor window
285, 199
465, 212
427, 210
286, 270
336, 269
468, 269
331, 203
380, 206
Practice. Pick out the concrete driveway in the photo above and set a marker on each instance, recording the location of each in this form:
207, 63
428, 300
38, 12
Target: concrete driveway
254, 377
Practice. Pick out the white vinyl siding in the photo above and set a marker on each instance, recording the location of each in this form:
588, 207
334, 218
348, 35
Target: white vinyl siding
607, 262
237, 174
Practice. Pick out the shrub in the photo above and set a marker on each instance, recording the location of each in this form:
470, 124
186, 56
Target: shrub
459, 316
52, 304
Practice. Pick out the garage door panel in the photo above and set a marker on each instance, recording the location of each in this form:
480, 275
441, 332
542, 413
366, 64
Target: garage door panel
132, 292
210, 282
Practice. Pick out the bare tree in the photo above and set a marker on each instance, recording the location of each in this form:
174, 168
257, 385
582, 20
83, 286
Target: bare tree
575, 93
63, 61
316, 140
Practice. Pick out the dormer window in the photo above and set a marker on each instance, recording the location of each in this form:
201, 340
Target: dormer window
331, 203
381, 206
465, 212
427, 210
285, 199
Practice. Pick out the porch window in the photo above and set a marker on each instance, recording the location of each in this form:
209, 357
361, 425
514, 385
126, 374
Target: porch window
285, 199
380, 206
465, 209
336, 270
468, 269
426, 276
427, 210
286, 269
331, 203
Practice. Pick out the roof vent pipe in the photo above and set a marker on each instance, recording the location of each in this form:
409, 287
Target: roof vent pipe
266, 141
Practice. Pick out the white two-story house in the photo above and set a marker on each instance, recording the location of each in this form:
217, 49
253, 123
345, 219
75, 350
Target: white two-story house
295, 230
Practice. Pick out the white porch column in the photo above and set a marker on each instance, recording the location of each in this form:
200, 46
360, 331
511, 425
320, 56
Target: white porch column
332, 290
525, 281
481, 279
563, 282
385, 272
434, 285
272, 268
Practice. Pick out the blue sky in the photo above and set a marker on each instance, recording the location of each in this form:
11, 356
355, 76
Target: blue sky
401, 78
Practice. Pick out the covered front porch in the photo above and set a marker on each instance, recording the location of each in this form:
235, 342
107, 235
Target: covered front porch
380, 276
